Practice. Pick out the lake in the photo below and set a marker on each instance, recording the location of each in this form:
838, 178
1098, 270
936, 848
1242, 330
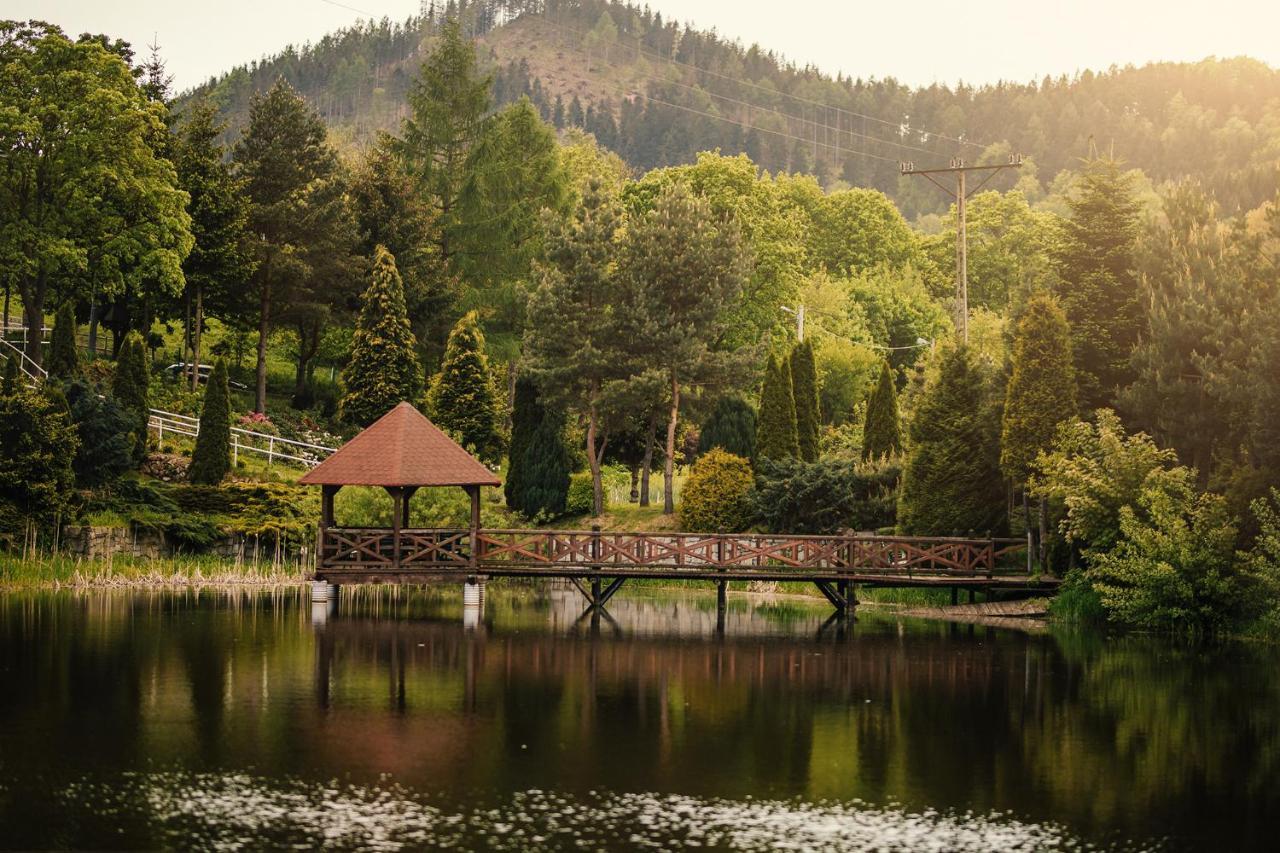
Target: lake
398, 719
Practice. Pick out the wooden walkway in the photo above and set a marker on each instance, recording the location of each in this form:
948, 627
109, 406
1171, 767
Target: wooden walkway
835, 564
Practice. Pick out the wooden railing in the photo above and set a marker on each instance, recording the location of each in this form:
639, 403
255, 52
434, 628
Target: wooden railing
552, 550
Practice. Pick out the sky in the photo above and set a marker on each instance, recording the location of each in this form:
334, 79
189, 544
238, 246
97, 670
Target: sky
920, 42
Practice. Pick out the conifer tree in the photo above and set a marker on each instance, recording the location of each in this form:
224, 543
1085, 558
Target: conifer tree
383, 370
527, 413
547, 466
211, 459
881, 431
13, 377
951, 484
804, 385
776, 434
64, 361
1042, 388
731, 427
462, 398
130, 388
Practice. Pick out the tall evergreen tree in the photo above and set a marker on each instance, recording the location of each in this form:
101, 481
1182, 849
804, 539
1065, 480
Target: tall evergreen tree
882, 431
731, 427
130, 388
462, 398
777, 436
105, 431
951, 485
804, 384
383, 370
527, 412
211, 459
64, 360
1099, 282
547, 466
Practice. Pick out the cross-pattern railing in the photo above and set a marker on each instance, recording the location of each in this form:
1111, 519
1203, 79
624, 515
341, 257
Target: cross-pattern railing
555, 550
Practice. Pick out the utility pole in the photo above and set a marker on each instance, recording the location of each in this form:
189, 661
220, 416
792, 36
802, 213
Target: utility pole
960, 194
798, 313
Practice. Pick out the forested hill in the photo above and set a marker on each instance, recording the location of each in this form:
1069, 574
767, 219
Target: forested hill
658, 92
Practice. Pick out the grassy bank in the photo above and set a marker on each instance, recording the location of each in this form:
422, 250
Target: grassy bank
56, 571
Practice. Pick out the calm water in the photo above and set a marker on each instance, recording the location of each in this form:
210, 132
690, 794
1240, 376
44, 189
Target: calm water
247, 720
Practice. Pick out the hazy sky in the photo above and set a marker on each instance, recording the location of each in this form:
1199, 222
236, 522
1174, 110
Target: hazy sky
918, 42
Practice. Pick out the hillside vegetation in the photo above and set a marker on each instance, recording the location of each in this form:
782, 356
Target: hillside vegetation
657, 93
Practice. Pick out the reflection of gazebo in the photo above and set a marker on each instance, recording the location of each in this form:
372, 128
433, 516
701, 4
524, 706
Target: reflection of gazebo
402, 451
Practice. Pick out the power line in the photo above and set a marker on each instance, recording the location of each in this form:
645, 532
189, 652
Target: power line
371, 15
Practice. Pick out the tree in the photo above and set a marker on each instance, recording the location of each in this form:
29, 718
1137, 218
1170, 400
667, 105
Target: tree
220, 264
573, 341
87, 201
804, 384
1041, 395
547, 469
64, 361
731, 427
527, 412
717, 496
1098, 280
105, 433
129, 386
211, 459
777, 436
680, 269
462, 398
951, 483
37, 445
384, 369
297, 214
881, 431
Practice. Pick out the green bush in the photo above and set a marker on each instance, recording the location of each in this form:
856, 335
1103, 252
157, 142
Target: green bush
581, 495
732, 427
826, 496
717, 495
106, 436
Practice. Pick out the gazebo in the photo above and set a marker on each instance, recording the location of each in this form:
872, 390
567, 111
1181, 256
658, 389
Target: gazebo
401, 452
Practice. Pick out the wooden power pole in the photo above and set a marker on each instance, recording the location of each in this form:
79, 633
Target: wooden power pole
960, 194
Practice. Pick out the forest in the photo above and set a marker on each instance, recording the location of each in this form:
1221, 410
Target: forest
1112, 392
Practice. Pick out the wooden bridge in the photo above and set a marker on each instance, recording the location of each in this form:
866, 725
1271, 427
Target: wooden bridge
403, 452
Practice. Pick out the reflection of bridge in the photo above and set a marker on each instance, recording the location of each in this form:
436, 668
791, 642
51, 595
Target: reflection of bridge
604, 560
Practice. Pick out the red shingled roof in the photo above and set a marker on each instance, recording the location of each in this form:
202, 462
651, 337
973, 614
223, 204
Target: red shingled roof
401, 448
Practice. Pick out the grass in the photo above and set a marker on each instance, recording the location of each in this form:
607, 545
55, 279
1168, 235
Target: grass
56, 571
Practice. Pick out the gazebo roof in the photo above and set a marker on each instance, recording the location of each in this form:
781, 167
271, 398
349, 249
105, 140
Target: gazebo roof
401, 448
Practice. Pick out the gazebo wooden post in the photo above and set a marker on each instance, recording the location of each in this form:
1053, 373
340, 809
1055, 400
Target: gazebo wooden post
327, 494
474, 493
408, 496
397, 514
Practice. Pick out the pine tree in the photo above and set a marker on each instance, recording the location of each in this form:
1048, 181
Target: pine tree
881, 431
776, 434
527, 413
130, 388
1042, 387
547, 466
211, 459
462, 398
1099, 284
64, 361
951, 484
804, 385
731, 427
383, 370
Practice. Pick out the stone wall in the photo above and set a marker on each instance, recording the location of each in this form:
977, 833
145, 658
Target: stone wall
89, 542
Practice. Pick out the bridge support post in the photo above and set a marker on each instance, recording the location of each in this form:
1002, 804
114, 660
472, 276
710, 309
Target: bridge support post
722, 605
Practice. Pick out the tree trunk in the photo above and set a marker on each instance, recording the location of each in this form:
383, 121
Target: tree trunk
669, 465
635, 482
1026, 510
7, 287
33, 316
195, 336
646, 466
264, 325
1044, 534
186, 338
597, 487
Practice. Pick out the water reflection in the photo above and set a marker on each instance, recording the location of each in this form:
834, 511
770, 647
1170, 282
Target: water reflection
107, 698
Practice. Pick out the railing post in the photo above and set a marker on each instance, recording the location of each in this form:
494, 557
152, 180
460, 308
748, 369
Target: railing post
271, 449
235, 450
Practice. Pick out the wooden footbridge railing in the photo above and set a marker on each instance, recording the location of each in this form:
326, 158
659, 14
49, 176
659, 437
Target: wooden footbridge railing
358, 555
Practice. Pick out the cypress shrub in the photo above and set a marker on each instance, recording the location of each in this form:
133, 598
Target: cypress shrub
64, 361
129, 387
717, 495
881, 432
462, 399
526, 414
211, 459
731, 427
804, 386
776, 435
547, 469
383, 370
951, 484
